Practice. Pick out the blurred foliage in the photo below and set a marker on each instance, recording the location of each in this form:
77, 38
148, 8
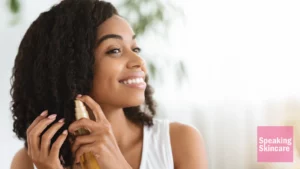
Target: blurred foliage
140, 20
14, 6
143, 15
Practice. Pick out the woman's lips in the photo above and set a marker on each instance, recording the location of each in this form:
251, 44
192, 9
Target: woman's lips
141, 85
133, 75
135, 82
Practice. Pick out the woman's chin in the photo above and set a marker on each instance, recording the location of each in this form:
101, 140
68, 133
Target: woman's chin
133, 102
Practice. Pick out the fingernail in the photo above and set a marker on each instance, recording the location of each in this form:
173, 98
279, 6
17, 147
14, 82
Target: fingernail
44, 113
65, 132
62, 120
52, 116
79, 95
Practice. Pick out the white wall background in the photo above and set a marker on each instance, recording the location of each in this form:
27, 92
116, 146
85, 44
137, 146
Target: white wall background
242, 59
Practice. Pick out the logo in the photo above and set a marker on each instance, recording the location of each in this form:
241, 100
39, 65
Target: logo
275, 144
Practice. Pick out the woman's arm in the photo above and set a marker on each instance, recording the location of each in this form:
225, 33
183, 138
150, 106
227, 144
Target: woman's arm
187, 147
21, 160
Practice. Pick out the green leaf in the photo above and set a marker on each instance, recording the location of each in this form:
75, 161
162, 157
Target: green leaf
14, 6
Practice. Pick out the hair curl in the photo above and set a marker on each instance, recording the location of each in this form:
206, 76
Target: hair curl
55, 62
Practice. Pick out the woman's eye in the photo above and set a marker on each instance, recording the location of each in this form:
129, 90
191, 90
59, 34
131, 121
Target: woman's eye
114, 51
137, 50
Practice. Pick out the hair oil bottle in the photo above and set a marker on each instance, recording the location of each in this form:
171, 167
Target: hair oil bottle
87, 160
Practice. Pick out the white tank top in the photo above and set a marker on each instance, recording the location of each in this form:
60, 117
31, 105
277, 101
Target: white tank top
157, 150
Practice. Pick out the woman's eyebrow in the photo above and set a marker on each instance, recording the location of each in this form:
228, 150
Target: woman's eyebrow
113, 36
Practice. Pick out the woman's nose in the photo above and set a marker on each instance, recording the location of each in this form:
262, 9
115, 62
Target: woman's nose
136, 61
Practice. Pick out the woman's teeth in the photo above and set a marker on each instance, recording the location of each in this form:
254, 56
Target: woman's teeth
133, 81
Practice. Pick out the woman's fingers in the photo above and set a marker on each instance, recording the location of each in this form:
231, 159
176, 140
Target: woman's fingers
33, 124
82, 123
38, 119
39, 145
47, 136
82, 140
35, 133
84, 149
54, 152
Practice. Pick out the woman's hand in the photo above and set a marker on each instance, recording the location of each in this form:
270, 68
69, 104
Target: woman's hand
39, 146
101, 140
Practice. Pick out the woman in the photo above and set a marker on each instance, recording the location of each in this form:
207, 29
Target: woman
82, 49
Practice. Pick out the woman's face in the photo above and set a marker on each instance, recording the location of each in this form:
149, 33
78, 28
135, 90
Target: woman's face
119, 71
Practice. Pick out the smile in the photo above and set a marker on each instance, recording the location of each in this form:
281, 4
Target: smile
135, 83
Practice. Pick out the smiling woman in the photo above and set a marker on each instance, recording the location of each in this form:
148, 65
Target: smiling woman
83, 49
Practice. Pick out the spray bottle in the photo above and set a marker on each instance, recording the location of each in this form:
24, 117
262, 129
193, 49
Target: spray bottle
87, 160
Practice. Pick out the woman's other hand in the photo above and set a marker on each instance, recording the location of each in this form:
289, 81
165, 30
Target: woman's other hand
42, 155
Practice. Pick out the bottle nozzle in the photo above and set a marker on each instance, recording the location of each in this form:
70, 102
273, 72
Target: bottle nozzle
80, 110
78, 104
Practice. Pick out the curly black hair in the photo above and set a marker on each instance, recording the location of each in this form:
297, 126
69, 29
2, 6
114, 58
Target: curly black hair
55, 62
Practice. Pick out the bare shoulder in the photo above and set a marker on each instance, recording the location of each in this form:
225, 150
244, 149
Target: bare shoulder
21, 160
188, 147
